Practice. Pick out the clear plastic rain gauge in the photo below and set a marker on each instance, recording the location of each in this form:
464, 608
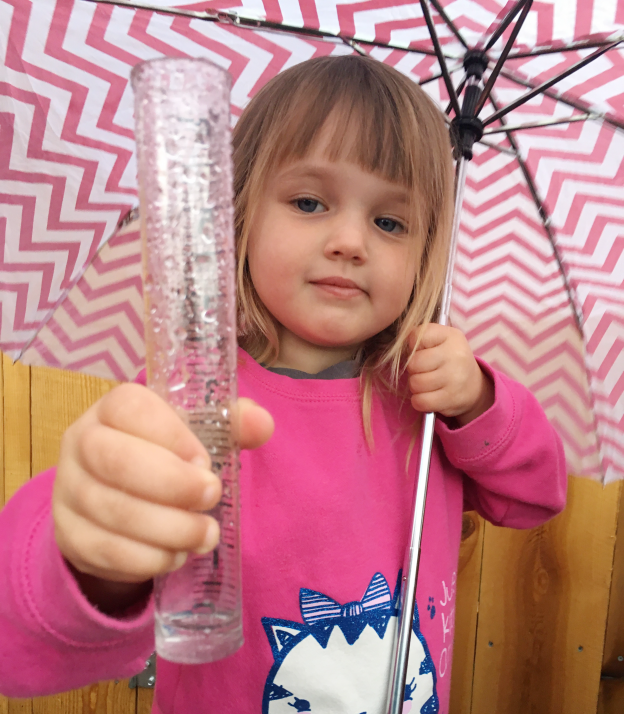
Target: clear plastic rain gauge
182, 110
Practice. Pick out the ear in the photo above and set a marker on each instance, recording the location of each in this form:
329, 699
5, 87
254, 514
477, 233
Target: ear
283, 635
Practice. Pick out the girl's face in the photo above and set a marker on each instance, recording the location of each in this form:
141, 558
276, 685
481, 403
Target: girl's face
330, 256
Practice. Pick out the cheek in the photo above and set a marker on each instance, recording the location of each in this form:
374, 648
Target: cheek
271, 270
402, 284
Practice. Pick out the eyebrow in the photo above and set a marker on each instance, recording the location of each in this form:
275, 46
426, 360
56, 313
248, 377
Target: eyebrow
315, 171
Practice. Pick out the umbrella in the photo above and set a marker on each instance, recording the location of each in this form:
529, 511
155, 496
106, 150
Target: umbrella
540, 257
540, 245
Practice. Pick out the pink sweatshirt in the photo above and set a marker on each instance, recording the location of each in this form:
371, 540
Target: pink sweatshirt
324, 528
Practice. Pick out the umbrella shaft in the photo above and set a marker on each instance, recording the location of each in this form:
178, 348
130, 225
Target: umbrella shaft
412, 559
410, 572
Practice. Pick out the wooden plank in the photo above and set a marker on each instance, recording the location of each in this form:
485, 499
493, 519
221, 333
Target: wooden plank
58, 399
466, 613
15, 460
613, 657
102, 698
543, 609
611, 699
16, 426
144, 701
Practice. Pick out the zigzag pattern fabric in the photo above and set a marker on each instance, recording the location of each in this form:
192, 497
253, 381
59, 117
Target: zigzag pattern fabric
67, 176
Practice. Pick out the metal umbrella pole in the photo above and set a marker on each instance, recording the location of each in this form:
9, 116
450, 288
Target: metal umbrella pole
468, 129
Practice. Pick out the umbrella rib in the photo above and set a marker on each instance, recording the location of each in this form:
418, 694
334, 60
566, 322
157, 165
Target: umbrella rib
540, 124
503, 56
355, 46
497, 147
131, 215
460, 89
572, 47
441, 59
439, 74
230, 17
546, 221
549, 83
504, 24
581, 106
451, 25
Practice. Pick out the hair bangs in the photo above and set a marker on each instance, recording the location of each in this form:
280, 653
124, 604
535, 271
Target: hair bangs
369, 122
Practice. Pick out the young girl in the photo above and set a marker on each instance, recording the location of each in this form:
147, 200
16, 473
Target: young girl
344, 183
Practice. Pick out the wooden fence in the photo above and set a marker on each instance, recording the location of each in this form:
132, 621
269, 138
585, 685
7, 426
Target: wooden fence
539, 614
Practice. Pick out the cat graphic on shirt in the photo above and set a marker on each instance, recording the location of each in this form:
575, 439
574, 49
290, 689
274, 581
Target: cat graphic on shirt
339, 658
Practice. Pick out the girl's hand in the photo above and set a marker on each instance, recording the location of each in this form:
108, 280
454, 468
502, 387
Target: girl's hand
131, 483
445, 377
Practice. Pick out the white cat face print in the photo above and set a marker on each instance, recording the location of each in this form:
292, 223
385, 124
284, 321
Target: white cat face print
337, 661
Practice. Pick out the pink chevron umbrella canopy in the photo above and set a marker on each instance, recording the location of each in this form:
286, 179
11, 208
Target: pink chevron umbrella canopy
541, 247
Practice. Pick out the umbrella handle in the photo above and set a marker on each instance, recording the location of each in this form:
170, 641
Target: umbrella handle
412, 556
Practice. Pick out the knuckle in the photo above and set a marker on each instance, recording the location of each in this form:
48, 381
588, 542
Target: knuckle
82, 497
123, 400
90, 444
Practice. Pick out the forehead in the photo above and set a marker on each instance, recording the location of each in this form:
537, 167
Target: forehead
347, 133
316, 168
334, 153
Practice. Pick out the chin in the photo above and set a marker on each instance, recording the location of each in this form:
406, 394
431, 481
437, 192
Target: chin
333, 341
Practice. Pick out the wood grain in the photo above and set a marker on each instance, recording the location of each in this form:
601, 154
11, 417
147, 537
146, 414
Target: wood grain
613, 656
58, 399
16, 384
15, 461
466, 613
145, 698
543, 609
102, 698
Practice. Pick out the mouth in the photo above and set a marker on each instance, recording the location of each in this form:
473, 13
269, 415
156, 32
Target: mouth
339, 287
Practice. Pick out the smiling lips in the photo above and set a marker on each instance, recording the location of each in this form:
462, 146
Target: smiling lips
339, 287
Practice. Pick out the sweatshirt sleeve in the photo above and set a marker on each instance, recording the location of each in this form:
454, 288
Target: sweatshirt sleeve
512, 457
52, 639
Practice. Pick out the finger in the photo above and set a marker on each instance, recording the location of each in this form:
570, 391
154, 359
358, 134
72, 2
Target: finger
140, 412
429, 401
426, 360
153, 524
427, 336
145, 470
112, 557
254, 423
427, 382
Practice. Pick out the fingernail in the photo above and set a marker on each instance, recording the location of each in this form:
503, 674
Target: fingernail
211, 538
178, 561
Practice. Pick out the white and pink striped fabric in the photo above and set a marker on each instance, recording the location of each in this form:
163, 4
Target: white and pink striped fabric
67, 176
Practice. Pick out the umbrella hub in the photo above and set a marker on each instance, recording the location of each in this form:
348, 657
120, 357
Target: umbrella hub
467, 127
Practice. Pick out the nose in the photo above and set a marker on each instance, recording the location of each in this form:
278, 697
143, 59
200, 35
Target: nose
346, 239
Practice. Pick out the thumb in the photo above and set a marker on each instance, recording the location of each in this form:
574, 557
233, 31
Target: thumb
254, 424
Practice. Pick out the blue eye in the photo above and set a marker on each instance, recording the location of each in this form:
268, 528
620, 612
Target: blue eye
307, 205
388, 225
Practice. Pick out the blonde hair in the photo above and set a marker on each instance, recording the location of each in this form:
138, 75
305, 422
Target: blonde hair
400, 135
